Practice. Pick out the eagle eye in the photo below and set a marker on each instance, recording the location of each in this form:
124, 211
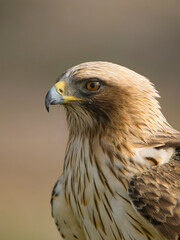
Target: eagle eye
93, 86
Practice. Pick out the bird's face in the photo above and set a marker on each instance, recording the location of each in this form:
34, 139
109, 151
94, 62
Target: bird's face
106, 93
87, 88
73, 91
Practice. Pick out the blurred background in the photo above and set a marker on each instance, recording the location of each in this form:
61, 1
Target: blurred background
38, 41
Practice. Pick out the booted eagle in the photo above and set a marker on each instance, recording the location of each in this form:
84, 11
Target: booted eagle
121, 176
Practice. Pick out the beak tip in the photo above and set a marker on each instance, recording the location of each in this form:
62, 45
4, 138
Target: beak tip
47, 104
52, 98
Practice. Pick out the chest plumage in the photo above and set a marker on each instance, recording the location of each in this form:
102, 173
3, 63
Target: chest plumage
95, 188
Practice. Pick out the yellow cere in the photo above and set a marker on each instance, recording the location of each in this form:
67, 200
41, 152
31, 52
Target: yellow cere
60, 88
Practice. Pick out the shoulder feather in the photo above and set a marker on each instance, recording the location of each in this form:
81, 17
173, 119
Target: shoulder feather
156, 196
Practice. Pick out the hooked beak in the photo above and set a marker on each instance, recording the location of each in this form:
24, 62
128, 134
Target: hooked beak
53, 98
56, 95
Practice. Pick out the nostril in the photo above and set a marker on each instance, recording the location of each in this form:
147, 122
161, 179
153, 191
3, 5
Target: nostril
60, 90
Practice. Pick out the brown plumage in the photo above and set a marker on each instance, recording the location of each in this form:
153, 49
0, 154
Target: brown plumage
121, 177
155, 194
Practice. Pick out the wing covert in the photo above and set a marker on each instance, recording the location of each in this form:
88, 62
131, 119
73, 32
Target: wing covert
156, 196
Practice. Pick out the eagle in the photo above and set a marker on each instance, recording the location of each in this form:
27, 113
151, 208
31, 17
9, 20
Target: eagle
121, 174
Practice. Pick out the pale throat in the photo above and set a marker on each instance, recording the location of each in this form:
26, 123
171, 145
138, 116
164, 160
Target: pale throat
86, 153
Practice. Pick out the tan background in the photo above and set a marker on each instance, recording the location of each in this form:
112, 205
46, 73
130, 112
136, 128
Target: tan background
38, 41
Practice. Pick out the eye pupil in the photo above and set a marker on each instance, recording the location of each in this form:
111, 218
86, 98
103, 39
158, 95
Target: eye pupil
92, 85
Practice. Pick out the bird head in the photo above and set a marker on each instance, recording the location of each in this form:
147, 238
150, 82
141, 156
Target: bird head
106, 95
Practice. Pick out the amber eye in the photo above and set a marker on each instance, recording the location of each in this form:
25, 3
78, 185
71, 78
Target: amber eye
93, 86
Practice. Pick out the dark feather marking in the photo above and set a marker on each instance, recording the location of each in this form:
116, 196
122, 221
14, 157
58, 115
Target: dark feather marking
103, 178
119, 156
110, 155
107, 184
133, 133
65, 187
87, 232
90, 155
160, 147
107, 211
94, 220
132, 162
134, 219
101, 175
79, 185
137, 229
121, 171
69, 157
136, 164
108, 202
101, 142
65, 194
123, 238
56, 195
80, 210
120, 178
113, 233
127, 170
84, 193
112, 169
130, 237
153, 160
148, 237
96, 205
52, 208
95, 187
82, 153
99, 171
77, 178
72, 184
125, 199
87, 173
82, 159
69, 198
100, 235
76, 200
125, 147
140, 165
177, 154
54, 191
120, 234
146, 231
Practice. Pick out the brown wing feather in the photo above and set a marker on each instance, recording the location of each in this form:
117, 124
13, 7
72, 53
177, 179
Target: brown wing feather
156, 195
